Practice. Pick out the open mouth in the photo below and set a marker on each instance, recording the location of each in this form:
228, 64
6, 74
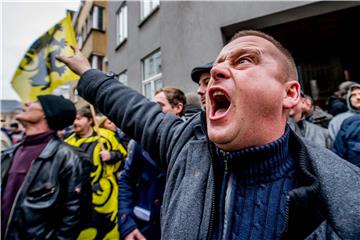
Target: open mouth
220, 103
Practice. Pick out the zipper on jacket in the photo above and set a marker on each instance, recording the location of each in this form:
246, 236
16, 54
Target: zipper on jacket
213, 205
213, 197
226, 188
15, 200
52, 190
286, 220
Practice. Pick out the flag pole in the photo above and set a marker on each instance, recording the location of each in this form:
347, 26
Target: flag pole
92, 109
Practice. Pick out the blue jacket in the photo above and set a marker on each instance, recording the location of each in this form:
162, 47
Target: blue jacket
141, 189
347, 143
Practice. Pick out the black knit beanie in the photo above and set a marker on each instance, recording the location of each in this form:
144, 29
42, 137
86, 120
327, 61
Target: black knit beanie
59, 112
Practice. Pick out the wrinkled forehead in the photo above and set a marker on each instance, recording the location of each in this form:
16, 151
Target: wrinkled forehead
250, 43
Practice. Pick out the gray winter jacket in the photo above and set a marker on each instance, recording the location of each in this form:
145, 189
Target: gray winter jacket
312, 132
326, 207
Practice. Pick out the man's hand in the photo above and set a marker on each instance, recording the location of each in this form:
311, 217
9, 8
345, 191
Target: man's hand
105, 155
77, 63
135, 235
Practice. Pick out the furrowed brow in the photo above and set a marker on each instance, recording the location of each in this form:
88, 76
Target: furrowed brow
252, 51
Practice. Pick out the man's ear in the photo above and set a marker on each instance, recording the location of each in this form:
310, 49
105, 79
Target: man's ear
292, 94
178, 108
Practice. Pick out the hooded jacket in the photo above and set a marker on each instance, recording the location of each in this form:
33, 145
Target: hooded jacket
326, 206
335, 123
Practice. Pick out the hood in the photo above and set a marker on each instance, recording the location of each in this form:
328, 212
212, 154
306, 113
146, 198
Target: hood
351, 108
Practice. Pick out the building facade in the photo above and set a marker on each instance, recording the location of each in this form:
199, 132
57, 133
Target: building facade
157, 43
90, 24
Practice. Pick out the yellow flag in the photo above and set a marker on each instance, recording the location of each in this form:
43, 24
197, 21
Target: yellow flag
39, 72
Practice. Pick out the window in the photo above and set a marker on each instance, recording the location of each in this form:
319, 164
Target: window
75, 96
123, 77
97, 18
83, 32
147, 7
151, 74
121, 24
96, 61
62, 90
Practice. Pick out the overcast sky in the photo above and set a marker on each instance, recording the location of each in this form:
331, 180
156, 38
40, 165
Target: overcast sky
22, 22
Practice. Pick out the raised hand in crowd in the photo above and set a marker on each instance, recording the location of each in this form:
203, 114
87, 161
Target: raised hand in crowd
77, 63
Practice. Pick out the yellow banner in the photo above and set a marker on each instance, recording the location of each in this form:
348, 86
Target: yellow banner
39, 72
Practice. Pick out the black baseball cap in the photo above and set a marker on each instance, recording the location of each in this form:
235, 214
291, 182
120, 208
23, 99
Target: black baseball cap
197, 71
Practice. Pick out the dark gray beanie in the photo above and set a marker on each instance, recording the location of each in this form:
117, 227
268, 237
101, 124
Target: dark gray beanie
59, 112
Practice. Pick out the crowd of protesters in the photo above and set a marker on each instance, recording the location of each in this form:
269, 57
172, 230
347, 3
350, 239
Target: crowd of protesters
248, 157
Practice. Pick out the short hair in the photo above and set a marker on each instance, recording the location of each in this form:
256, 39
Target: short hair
85, 112
193, 99
289, 64
174, 96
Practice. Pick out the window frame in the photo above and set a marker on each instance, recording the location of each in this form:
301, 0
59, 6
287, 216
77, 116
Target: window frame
95, 13
123, 73
153, 79
153, 9
119, 40
98, 57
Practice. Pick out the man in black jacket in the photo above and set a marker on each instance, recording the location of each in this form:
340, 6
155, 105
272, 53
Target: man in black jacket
42, 179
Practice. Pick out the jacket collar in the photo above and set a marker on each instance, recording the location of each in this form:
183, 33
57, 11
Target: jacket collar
305, 204
50, 148
47, 152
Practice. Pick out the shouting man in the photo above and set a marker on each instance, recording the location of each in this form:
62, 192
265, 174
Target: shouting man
238, 172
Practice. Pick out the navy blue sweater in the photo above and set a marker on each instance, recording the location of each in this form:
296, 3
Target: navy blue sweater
256, 183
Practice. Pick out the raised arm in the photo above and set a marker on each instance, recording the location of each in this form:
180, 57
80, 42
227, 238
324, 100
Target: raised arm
138, 117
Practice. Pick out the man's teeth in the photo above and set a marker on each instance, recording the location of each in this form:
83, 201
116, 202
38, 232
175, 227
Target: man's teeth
218, 93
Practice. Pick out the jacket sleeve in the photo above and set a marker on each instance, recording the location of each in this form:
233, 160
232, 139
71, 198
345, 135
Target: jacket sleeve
138, 117
127, 189
73, 177
340, 145
115, 157
117, 151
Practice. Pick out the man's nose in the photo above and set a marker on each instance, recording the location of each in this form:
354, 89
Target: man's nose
201, 90
220, 71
